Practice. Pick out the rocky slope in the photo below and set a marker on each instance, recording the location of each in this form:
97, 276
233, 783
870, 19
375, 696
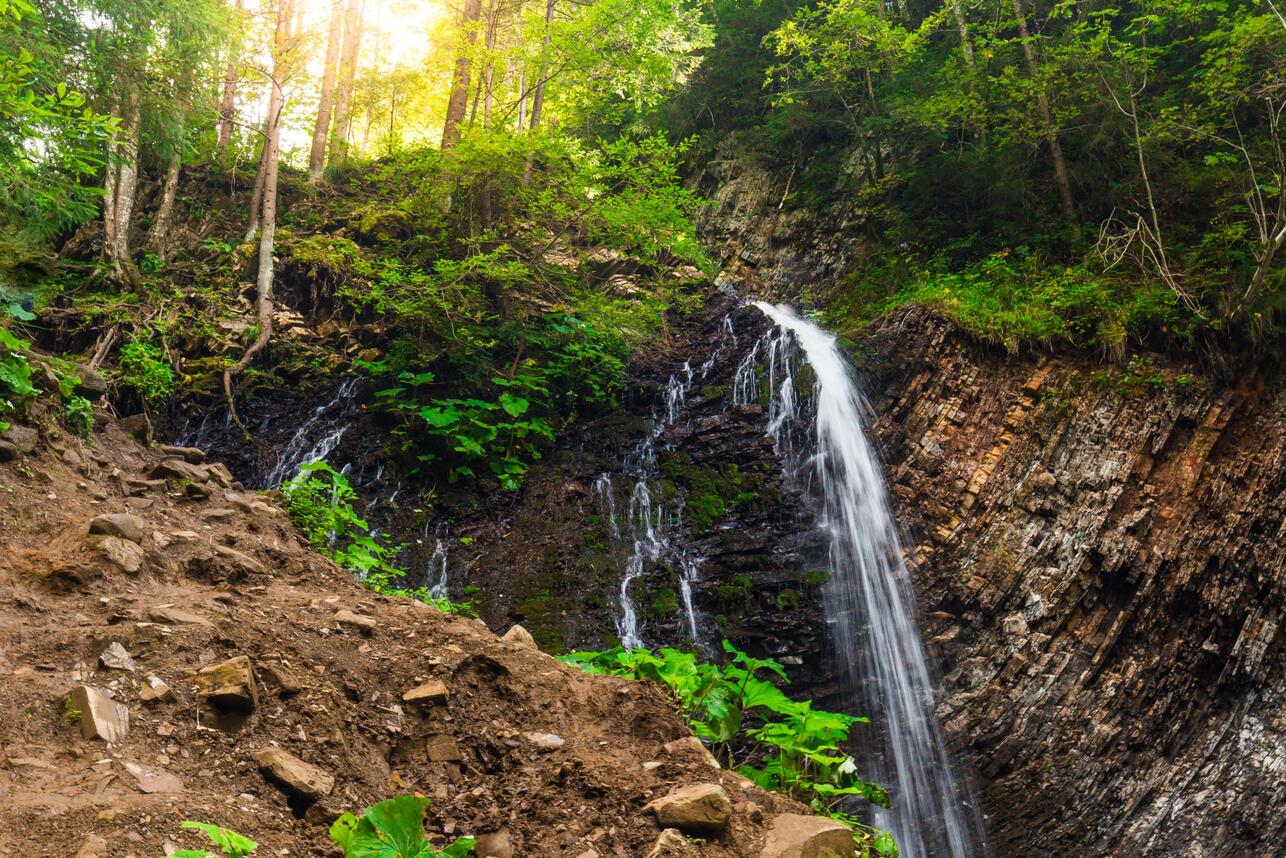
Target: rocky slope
171, 650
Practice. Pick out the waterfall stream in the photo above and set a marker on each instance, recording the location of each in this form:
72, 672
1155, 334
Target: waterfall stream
868, 600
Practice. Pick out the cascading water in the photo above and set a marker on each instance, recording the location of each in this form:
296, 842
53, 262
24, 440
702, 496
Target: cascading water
306, 445
435, 575
868, 599
651, 532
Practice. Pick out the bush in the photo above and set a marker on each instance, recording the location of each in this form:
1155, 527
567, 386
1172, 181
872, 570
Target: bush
143, 366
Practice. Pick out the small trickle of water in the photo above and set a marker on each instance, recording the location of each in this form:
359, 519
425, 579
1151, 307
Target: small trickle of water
435, 574
868, 599
305, 445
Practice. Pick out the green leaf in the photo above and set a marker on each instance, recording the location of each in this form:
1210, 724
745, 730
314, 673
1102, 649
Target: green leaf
439, 417
514, 406
232, 844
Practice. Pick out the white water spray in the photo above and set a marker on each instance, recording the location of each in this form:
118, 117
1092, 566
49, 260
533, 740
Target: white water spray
868, 599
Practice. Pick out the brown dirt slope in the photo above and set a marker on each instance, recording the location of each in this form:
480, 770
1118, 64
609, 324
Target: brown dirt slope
222, 574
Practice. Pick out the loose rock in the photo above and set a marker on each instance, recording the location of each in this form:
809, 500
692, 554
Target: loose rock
115, 657
120, 524
433, 691
128, 556
293, 774
155, 689
153, 780
796, 836
519, 635
546, 741
191, 455
672, 844
228, 685
359, 621
694, 808
23, 438
442, 748
100, 716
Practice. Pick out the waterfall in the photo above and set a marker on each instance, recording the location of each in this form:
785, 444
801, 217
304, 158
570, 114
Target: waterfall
305, 445
868, 600
435, 575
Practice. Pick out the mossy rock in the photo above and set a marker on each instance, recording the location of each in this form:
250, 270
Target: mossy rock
377, 224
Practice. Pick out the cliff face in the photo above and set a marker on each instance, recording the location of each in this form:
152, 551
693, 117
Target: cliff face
1100, 557
1101, 565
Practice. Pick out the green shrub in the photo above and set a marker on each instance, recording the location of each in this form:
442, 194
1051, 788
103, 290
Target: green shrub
143, 366
78, 413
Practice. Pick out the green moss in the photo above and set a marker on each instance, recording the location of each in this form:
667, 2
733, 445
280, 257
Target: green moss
664, 603
815, 577
734, 594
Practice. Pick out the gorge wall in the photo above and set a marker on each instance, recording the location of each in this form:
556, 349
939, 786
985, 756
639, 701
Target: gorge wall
1099, 555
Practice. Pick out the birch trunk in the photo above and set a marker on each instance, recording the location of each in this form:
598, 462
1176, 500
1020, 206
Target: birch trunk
158, 240
317, 155
344, 89
120, 189
268, 233
228, 103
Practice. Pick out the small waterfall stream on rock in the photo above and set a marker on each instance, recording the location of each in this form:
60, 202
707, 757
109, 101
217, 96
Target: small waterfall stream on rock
868, 599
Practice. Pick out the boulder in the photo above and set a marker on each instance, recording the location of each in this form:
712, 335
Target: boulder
100, 716
433, 691
672, 844
90, 383
699, 808
361, 622
192, 455
228, 685
139, 426
495, 844
8, 452
116, 658
793, 835
23, 438
293, 774
519, 635
128, 556
174, 468
120, 524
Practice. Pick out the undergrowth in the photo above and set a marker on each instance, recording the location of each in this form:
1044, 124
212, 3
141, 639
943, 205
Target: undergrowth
319, 500
781, 744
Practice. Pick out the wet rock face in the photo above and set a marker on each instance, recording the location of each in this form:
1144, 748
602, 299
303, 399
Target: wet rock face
1102, 572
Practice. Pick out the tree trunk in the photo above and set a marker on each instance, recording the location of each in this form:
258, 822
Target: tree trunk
489, 76
317, 155
158, 240
120, 188
458, 103
1047, 120
522, 99
228, 104
344, 89
538, 95
267, 235
256, 197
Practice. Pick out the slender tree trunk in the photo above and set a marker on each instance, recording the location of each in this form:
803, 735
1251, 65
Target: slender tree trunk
228, 103
489, 76
1046, 116
962, 26
344, 89
267, 235
256, 197
317, 155
538, 94
458, 103
158, 240
522, 99
120, 189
